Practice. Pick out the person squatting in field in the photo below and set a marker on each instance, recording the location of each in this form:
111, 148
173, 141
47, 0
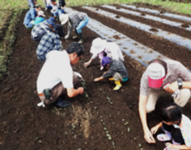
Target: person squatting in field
56, 76
77, 21
176, 126
162, 77
100, 48
116, 71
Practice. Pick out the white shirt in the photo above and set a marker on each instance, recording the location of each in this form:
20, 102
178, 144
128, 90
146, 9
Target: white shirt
56, 69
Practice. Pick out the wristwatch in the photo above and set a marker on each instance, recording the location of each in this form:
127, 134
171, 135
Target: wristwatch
179, 81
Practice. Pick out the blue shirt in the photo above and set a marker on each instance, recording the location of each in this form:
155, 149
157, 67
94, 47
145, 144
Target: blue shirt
38, 20
30, 15
50, 41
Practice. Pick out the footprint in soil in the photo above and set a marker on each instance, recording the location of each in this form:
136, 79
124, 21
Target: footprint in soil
185, 26
153, 30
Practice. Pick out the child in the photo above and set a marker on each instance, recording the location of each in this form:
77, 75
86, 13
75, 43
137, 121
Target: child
116, 72
177, 127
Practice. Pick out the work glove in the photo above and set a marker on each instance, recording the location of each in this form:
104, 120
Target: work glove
66, 37
79, 75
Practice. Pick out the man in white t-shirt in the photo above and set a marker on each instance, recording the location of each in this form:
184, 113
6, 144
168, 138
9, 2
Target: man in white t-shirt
57, 77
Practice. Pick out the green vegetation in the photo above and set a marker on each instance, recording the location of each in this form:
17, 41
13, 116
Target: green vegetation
179, 7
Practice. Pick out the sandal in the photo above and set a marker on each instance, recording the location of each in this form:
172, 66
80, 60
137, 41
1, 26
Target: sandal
163, 137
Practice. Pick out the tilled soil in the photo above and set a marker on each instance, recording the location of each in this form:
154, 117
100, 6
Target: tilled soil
100, 119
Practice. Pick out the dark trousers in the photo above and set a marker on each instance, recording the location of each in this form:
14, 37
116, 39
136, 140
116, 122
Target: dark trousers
175, 133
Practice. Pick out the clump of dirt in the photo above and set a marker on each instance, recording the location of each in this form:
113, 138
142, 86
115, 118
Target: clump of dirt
153, 30
97, 9
117, 7
116, 37
142, 14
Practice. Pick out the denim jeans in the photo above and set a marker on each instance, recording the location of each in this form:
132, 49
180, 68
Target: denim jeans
82, 24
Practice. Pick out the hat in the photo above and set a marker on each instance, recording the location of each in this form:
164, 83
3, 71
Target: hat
156, 75
98, 45
51, 21
106, 60
41, 13
63, 18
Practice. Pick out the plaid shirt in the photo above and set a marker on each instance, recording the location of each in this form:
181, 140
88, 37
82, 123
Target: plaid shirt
39, 30
50, 41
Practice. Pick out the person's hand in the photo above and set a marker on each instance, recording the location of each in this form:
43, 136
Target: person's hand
170, 145
171, 88
66, 37
96, 79
86, 64
154, 129
149, 137
81, 90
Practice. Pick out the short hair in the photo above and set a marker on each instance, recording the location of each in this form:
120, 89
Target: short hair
167, 110
160, 61
75, 47
53, 0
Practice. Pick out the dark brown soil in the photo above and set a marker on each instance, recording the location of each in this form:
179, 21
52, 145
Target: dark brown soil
100, 119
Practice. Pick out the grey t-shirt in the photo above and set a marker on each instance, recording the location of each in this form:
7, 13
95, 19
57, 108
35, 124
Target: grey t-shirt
175, 70
116, 66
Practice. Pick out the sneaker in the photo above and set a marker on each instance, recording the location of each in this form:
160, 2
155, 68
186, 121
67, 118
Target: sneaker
117, 87
74, 37
163, 137
81, 41
62, 103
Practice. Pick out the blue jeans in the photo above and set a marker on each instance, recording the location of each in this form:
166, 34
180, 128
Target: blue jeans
81, 25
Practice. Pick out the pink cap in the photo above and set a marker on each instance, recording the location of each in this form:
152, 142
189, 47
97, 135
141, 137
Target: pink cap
156, 75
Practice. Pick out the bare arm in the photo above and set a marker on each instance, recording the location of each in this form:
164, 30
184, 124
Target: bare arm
143, 116
71, 92
155, 128
173, 146
86, 64
98, 79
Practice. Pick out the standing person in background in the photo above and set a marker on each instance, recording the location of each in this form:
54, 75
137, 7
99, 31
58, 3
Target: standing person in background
57, 77
100, 48
30, 16
162, 77
76, 21
40, 17
32, 3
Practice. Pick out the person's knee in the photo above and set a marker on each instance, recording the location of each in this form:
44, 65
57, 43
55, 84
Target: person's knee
184, 97
150, 108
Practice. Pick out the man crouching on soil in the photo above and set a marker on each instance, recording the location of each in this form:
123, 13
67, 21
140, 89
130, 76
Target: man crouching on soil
57, 77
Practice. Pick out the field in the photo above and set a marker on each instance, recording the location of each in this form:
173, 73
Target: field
100, 119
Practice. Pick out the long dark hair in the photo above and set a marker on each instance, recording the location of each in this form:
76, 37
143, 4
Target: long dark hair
167, 110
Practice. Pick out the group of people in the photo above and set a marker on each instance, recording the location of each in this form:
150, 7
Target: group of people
162, 77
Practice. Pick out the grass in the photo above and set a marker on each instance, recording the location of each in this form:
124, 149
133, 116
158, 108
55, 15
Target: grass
179, 7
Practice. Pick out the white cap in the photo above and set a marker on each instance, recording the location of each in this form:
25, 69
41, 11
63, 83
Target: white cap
156, 75
98, 45
64, 18
41, 13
